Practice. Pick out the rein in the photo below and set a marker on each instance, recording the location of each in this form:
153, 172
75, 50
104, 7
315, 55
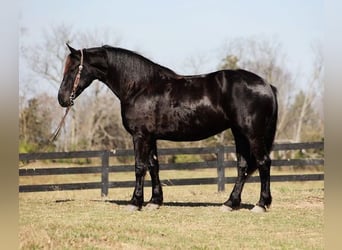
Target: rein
72, 98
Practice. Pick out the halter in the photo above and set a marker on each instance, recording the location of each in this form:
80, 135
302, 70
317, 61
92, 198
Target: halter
76, 81
72, 98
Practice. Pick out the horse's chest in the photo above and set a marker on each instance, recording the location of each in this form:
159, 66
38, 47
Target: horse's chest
140, 115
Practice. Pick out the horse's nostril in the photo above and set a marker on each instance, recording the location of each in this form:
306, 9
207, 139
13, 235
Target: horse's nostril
64, 102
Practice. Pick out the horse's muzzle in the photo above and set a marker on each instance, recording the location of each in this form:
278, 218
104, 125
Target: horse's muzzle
64, 101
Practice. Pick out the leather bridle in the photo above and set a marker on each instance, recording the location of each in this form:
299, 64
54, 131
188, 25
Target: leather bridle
72, 98
76, 81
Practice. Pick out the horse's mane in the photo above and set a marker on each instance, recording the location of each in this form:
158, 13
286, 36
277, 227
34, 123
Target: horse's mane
134, 63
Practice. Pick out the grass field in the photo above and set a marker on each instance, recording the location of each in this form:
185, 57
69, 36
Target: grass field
190, 219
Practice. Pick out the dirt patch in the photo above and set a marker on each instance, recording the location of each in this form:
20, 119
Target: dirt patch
310, 202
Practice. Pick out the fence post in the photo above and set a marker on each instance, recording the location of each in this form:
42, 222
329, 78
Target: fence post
104, 175
221, 180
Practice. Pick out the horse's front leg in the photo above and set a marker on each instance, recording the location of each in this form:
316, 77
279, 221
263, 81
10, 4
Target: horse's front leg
157, 192
141, 151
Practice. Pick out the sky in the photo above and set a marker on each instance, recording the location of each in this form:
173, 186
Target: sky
171, 32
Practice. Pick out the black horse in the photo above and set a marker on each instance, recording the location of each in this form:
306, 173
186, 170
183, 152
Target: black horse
157, 103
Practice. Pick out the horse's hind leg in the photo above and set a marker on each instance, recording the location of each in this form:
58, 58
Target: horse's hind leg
246, 165
264, 166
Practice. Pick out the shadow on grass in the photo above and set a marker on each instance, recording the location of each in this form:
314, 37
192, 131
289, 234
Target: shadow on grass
168, 204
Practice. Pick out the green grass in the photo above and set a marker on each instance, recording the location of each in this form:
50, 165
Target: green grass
191, 219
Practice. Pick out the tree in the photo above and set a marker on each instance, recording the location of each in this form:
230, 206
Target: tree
195, 63
308, 119
229, 62
313, 91
35, 122
101, 126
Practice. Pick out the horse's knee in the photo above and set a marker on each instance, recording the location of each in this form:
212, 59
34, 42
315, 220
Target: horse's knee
140, 170
242, 170
241, 165
264, 163
153, 158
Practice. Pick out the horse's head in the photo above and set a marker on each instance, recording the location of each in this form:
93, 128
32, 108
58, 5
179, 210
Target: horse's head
78, 75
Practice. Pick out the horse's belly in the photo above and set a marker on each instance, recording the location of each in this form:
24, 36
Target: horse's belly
189, 135
188, 125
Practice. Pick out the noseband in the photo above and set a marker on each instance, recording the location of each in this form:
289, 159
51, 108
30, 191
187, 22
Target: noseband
76, 81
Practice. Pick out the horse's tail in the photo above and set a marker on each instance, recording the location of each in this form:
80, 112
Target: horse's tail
271, 126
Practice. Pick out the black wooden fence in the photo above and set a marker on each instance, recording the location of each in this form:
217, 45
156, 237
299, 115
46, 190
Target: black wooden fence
220, 163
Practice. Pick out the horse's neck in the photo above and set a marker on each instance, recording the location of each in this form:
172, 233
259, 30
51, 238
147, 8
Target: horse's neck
123, 77
129, 73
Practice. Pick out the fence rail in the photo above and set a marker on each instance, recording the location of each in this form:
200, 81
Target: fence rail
220, 164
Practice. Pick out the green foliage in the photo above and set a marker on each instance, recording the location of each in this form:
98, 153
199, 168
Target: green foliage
229, 62
25, 147
35, 122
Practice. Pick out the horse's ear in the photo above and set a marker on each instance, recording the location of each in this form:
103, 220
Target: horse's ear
72, 50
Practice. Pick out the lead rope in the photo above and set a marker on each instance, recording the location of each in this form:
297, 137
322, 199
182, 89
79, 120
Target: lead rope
54, 136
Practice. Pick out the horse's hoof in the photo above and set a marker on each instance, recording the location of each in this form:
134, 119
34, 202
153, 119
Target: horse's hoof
133, 208
258, 209
225, 208
152, 206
